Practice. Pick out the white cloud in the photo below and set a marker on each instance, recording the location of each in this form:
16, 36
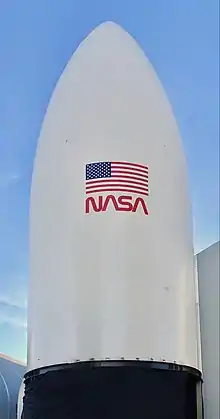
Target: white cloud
13, 310
9, 179
9, 315
18, 300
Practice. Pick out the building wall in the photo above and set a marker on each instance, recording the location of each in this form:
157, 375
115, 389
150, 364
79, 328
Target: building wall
208, 282
198, 316
11, 374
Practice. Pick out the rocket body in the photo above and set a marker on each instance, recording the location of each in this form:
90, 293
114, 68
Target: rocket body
111, 256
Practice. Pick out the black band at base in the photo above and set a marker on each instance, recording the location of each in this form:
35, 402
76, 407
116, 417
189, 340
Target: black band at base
113, 390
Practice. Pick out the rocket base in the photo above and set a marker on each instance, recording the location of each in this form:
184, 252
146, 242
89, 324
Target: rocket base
113, 390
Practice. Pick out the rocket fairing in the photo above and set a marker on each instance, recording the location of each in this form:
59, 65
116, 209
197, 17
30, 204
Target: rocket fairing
112, 311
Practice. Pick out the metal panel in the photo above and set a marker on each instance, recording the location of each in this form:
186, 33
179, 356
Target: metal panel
11, 374
198, 315
111, 284
20, 400
208, 279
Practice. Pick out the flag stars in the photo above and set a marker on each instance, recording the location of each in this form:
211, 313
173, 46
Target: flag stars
98, 170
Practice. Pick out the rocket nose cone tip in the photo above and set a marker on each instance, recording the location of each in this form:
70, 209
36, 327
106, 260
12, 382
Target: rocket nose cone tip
108, 28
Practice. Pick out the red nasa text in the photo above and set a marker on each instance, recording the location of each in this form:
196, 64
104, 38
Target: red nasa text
120, 203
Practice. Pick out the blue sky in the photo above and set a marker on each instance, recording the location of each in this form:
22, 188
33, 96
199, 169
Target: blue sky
37, 38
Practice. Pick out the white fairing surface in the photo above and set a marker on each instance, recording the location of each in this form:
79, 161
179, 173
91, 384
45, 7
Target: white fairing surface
110, 284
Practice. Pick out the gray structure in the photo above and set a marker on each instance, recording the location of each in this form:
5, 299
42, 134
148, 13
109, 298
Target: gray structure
208, 282
11, 374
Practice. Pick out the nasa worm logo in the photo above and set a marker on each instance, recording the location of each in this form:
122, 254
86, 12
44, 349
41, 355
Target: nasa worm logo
116, 176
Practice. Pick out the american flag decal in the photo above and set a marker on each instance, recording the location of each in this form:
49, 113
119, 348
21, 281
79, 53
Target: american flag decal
116, 176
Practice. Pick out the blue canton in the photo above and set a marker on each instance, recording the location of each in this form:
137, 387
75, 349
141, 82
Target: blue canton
98, 170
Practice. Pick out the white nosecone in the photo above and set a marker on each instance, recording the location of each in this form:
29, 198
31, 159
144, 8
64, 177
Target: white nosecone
118, 281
